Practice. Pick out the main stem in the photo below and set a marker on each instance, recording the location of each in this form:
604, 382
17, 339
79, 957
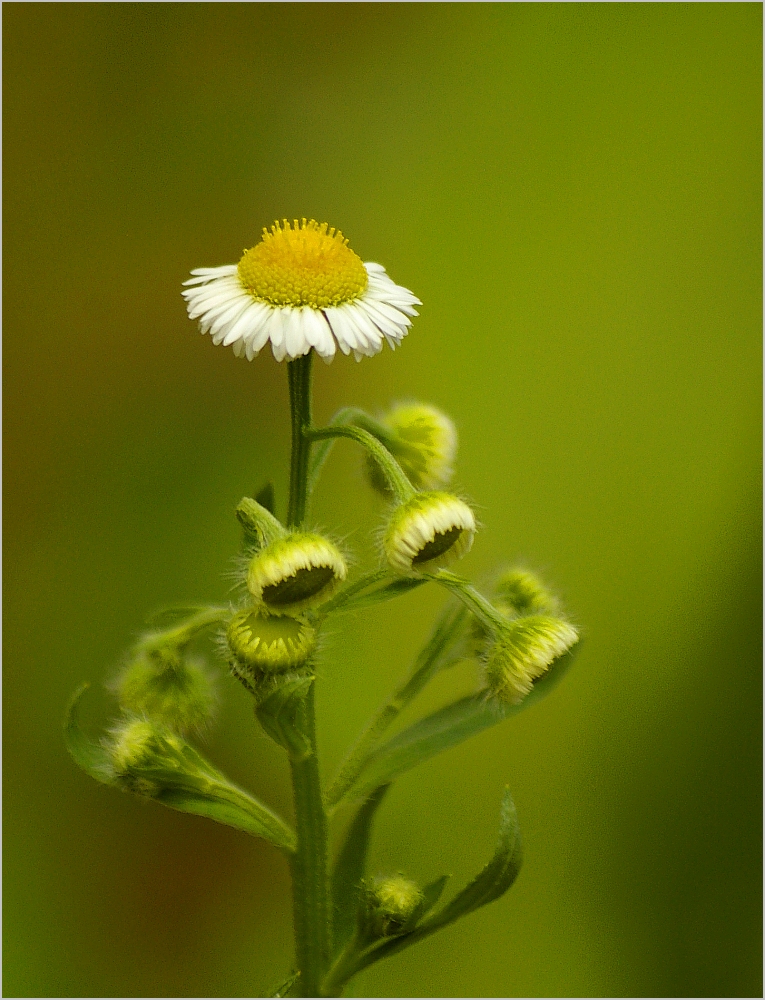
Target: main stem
310, 880
299, 374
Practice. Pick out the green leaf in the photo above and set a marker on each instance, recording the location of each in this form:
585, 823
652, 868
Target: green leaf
183, 780
447, 728
396, 588
283, 989
433, 892
350, 868
280, 712
91, 757
495, 879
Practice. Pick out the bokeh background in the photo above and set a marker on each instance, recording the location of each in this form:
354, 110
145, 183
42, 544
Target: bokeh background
574, 192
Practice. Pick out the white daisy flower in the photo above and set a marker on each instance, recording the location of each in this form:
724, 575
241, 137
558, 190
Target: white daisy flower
301, 287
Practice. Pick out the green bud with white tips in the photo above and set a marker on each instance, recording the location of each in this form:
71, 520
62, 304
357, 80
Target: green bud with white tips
295, 572
427, 532
523, 651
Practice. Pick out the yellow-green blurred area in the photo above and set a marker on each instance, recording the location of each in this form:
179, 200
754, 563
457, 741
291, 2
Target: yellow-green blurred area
573, 190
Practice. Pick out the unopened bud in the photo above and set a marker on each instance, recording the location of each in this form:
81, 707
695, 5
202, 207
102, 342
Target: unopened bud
140, 749
261, 643
524, 593
295, 572
393, 905
428, 531
523, 651
424, 440
172, 689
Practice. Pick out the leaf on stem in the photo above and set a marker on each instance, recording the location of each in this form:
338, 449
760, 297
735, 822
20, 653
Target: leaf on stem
185, 782
396, 588
491, 883
350, 868
446, 728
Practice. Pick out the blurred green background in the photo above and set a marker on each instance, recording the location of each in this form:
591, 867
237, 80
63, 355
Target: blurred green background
574, 192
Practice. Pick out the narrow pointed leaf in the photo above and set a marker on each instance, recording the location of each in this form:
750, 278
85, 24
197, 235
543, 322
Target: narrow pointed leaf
284, 988
188, 783
350, 868
396, 588
433, 892
448, 727
495, 879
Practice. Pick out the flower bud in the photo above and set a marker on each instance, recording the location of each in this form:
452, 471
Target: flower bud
524, 593
428, 531
261, 643
140, 749
295, 572
392, 904
523, 652
424, 440
170, 688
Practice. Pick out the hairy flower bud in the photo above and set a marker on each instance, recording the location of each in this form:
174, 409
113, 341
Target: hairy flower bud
261, 643
524, 593
295, 572
392, 904
523, 651
428, 531
424, 440
140, 749
172, 689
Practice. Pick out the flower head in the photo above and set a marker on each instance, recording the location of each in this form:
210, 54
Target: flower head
295, 572
424, 440
523, 652
428, 531
301, 287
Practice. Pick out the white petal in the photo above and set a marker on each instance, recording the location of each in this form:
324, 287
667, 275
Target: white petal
345, 334
275, 327
249, 321
295, 340
318, 334
365, 324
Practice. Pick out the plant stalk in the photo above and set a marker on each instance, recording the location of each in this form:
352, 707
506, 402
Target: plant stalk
310, 878
299, 375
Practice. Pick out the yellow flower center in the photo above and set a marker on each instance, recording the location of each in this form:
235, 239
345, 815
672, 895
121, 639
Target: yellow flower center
303, 264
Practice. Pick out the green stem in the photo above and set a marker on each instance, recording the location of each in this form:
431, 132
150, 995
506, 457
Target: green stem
310, 879
347, 415
484, 610
428, 662
181, 635
397, 480
299, 374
